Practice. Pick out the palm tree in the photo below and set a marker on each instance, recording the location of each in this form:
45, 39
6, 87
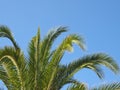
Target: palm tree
41, 69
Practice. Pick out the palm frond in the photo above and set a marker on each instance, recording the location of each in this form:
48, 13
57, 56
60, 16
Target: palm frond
12, 64
78, 86
94, 63
5, 32
59, 52
3, 76
48, 41
11, 75
34, 57
112, 86
67, 44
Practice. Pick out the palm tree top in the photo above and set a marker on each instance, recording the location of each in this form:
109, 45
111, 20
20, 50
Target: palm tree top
41, 69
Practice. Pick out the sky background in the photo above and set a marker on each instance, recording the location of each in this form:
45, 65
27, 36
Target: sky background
98, 21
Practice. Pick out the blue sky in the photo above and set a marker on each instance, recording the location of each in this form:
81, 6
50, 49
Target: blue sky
98, 21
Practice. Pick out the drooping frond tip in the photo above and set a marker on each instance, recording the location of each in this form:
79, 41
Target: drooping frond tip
5, 32
74, 39
55, 32
80, 41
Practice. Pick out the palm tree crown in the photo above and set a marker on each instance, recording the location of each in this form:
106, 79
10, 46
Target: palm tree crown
41, 69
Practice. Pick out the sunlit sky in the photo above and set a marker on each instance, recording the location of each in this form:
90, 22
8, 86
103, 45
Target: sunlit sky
98, 21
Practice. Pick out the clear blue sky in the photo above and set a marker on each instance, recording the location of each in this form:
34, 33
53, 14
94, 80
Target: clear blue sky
97, 20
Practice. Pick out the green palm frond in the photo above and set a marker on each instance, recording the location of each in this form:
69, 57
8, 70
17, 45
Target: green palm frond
78, 86
5, 32
67, 44
34, 49
58, 54
3, 76
94, 63
34, 57
48, 41
12, 65
11, 75
112, 86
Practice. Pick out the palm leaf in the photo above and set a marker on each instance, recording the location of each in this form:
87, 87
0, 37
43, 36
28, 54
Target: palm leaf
94, 63
12, 64
59, 52
5, 32
48, 41
34, 58
77, 86
112, 86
